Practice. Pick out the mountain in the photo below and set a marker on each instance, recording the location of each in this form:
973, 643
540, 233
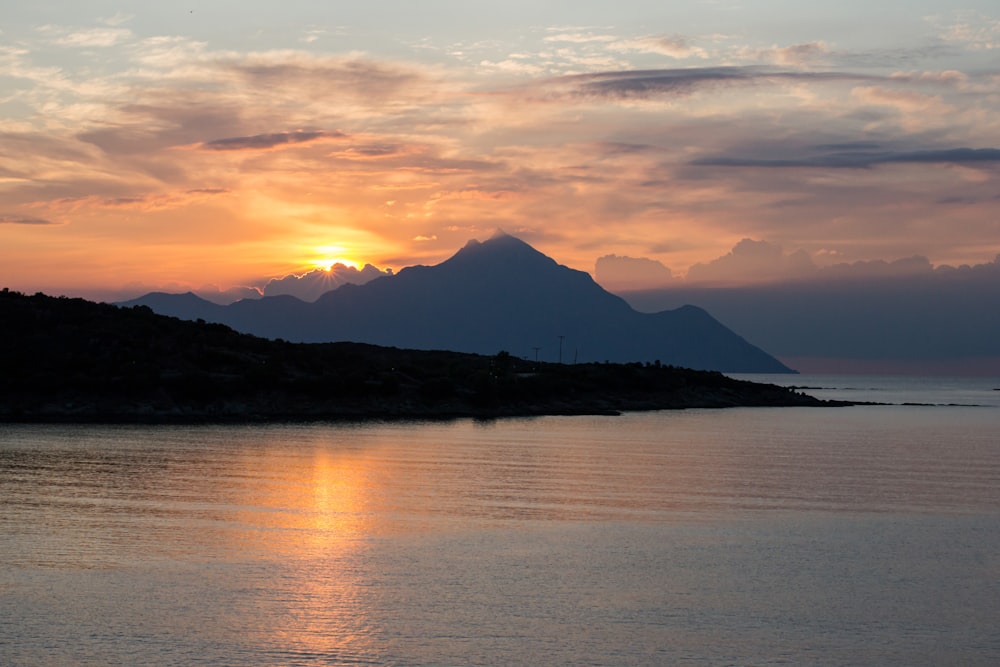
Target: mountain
941, 322
500, 294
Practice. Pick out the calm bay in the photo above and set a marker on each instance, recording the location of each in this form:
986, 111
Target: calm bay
807, 536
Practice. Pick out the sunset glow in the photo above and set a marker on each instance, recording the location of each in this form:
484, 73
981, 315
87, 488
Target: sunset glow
151, 146
329, 263
328, 256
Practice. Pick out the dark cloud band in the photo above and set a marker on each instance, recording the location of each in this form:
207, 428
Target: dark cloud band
861, 159
259, 142
658, 82
23, 220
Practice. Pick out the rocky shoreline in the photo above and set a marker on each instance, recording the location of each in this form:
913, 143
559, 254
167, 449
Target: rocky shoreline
77, 409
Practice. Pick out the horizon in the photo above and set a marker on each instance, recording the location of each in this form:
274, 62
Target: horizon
804, 324
750, 264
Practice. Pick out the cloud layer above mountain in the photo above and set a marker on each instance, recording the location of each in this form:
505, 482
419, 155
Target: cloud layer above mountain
754, 263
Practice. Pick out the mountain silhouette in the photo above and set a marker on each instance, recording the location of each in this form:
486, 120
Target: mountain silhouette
499, 294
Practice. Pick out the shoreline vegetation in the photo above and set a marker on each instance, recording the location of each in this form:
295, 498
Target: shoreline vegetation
65, 360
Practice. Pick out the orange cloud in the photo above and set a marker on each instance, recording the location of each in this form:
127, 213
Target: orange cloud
142, 202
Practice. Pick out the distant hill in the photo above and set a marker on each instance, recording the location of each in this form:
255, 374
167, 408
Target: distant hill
77, 361
500, 294
941, 322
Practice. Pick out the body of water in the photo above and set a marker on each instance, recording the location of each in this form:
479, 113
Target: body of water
796, 536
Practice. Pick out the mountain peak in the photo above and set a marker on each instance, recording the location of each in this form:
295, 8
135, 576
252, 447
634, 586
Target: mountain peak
500, 247
497, 235
501, 294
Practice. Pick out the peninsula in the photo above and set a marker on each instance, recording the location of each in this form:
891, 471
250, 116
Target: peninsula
71, 360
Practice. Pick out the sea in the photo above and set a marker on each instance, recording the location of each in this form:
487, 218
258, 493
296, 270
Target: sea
865, 535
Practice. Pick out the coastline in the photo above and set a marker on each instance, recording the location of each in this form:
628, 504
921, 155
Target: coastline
406, 405
74, 361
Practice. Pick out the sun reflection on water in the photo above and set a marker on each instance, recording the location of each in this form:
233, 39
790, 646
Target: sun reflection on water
311, 522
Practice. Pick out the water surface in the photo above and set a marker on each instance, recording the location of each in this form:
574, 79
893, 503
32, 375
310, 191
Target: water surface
737, 537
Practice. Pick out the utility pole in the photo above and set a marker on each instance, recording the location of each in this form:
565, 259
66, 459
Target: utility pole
560, 347
536, 349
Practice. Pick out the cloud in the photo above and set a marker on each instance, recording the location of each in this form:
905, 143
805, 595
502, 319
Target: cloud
118, 19
672, 46
756, 262
208, 191
906, 101
334, 78
618, 273
377, 151
160, 201
951, 77
797, 55
470, 194
639, 84
23, 220
310, 286
579, 38
950, 155
857, 156
753, 261
649, 83
974, 30
91, 37
226, 296
907, 266
263, 142
513, 66
800, 54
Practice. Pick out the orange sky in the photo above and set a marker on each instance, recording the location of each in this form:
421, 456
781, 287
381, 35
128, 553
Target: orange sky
153, 148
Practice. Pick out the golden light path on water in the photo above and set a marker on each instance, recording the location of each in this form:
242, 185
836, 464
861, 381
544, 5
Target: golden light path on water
308, 514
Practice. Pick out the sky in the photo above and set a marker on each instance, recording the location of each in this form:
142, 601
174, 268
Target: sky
222, 144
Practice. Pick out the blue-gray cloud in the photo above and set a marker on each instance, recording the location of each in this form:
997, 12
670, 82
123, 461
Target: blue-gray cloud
858, 159
682, 81
260, 142
23, 220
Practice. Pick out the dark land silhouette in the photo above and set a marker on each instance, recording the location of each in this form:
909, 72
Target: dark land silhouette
71, 360
500, 294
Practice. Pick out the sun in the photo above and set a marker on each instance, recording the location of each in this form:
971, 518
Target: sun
327, 263
327, 256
